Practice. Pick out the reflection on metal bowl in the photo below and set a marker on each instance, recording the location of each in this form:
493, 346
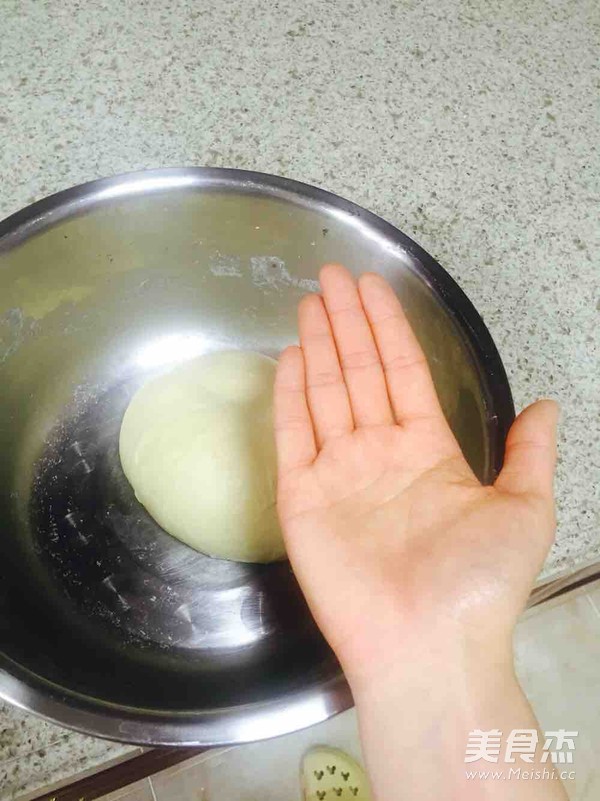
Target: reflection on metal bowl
107, 623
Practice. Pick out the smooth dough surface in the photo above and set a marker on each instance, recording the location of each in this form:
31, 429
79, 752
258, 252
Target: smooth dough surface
198, 448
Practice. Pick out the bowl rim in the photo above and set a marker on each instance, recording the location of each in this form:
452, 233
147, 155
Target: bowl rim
314, 703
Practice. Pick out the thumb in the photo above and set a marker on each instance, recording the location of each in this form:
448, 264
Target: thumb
530, 456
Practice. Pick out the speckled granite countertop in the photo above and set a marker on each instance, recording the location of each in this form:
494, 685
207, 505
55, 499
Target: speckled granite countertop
472, 126
35, 754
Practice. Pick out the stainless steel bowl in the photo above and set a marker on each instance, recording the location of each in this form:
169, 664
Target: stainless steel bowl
107, 624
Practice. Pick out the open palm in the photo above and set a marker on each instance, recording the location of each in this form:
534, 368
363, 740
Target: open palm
388, 530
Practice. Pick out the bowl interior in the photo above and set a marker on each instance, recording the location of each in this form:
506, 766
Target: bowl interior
99, 289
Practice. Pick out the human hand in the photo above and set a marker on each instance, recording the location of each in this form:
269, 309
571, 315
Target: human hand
393, 539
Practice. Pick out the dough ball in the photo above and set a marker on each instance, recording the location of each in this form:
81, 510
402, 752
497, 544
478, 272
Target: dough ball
198, 448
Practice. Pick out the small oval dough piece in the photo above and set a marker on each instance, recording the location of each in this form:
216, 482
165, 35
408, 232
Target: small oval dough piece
198, 448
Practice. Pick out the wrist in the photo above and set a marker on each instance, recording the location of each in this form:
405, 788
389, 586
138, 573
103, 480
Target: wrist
423, 714
449, 660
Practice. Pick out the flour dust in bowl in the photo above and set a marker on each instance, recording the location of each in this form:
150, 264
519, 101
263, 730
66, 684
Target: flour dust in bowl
108, 624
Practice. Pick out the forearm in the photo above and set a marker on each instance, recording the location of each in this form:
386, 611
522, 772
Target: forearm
416, 720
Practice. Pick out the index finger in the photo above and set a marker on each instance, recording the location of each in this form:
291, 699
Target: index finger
410, 386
